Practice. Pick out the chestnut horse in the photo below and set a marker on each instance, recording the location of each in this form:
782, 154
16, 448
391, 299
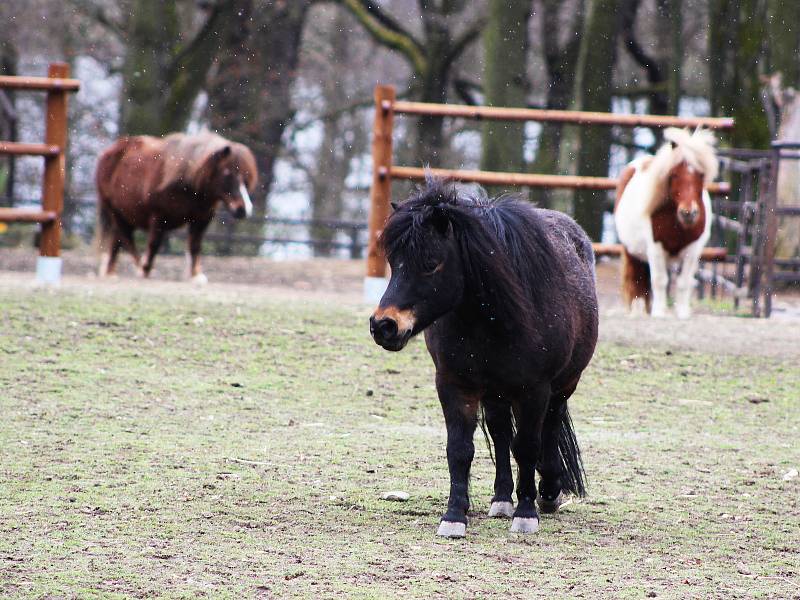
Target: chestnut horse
663, 216
160, 184
505, 294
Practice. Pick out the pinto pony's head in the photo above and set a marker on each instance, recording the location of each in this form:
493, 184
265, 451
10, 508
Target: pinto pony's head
212, 167
427, 279
692, 164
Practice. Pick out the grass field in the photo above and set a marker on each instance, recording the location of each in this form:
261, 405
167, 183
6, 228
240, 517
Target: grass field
179, 446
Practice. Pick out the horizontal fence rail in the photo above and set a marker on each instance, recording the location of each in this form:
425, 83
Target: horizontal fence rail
551, 116
42, 84
26, 149
521, 179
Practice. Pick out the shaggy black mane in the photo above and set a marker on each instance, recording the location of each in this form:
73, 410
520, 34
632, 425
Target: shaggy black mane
508, 260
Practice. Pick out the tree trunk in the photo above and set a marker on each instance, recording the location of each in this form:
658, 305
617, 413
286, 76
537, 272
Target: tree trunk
560, 61
593, 91
162, 75
736, 51
783, 27
250, 93
505, 42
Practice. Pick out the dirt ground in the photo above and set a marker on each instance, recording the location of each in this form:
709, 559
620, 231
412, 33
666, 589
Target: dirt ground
714, 328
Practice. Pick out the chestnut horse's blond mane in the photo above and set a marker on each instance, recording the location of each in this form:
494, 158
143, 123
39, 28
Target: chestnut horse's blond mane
696, 149
184, 156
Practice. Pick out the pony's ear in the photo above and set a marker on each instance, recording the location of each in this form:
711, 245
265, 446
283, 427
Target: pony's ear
205, 171
440, 219
223, 152
394, 205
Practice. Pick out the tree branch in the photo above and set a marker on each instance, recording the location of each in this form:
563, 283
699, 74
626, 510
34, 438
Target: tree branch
469, 35
97, 13
648, 63
396, 39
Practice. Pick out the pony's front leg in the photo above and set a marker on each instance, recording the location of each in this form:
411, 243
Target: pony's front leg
659, 278
460, 408
498, 421
685, 283
529, 410
194, 244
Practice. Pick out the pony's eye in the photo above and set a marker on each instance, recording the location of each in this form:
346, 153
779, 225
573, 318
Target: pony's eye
432, 267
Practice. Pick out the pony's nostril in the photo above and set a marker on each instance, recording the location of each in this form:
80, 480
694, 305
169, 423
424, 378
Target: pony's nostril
387, 328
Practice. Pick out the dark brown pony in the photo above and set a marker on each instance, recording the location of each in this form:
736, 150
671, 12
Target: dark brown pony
505, 294
160, 184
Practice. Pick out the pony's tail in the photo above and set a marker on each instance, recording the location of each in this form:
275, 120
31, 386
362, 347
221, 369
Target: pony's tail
106, 165
573, 476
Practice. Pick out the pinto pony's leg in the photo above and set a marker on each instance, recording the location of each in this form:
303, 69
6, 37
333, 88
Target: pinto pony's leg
460, 408
685, 283
659, 278
498, 422
194, 244
635, 280
155, 237
529, 412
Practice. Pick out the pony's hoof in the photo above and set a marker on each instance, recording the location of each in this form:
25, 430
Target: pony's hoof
524, 524
199, 279
452, 529
503, 510
551, 506
683, 313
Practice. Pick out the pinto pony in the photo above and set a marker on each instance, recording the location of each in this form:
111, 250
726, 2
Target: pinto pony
505, 294
663, 216
160, 184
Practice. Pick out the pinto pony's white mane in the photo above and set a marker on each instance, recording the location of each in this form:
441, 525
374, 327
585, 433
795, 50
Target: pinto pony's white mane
697, 149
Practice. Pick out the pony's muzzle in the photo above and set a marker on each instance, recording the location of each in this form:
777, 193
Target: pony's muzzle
688, 216
385, 332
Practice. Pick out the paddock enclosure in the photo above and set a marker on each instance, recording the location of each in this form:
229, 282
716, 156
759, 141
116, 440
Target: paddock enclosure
751, 215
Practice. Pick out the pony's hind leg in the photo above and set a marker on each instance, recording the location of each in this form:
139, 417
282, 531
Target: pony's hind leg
529, 413
460, 408
498, 421
635, 281
560, 466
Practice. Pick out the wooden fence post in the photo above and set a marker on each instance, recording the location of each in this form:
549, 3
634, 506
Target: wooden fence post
381, 191
48, 266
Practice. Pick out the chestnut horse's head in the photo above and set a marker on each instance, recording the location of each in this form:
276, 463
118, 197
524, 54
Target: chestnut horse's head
227, 176
685, 190
216, 169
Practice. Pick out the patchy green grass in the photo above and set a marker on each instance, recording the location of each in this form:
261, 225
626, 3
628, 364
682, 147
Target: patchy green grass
155, 445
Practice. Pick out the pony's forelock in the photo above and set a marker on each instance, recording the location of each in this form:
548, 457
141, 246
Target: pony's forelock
501, 258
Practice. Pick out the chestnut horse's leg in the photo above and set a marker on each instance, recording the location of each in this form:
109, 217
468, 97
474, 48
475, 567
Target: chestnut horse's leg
529, 412
460, 408
155, 237
194, 243
498, 422
659, 278
124, 239
685, 283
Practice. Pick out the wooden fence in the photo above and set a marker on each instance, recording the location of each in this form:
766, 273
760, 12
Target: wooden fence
57, 85
386, 107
